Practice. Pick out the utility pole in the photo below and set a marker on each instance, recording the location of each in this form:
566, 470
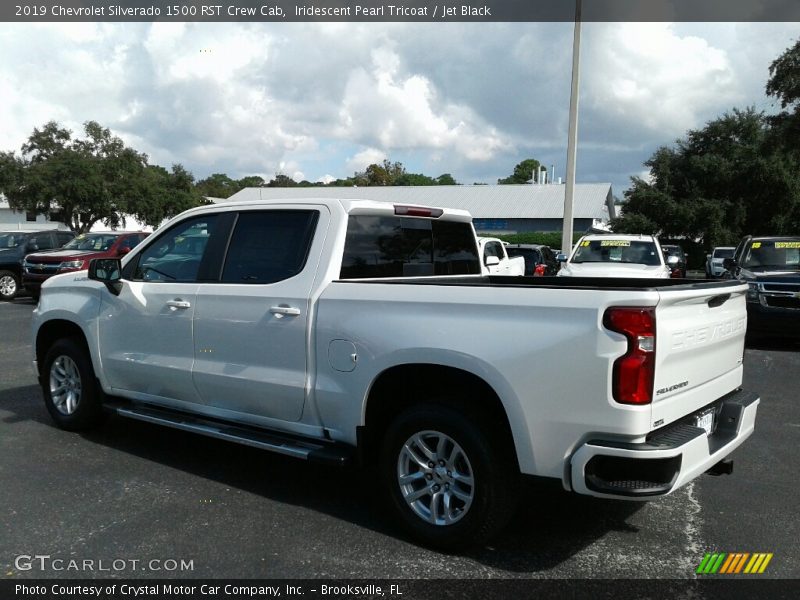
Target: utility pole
572, 137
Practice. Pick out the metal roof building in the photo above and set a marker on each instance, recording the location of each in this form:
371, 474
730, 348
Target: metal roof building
494, 208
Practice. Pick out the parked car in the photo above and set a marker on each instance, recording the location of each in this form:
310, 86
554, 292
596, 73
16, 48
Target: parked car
714, 266
300, 332
616, 255
771, 268
14, 245
679, 268
75, 256
496, 260
539, 259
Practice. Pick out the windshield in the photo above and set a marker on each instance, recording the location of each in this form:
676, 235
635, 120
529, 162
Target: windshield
774, 254
723, 253
10, 240
92, 241
617, 251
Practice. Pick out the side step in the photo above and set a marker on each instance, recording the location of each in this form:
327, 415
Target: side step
330, 453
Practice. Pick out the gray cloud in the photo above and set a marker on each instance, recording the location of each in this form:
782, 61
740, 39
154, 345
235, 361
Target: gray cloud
317, 99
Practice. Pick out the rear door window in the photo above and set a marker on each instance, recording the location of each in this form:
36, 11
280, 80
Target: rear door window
269, 246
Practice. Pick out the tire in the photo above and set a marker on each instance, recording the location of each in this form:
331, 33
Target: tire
71, 392
463, 500
9, 285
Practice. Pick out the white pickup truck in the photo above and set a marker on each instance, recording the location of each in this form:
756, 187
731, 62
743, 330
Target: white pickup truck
496, 260
339, 330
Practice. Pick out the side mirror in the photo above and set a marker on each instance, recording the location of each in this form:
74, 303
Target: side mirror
32, 247
107, 271
673, 261
492, 261
561, 257
729, 264
124, 251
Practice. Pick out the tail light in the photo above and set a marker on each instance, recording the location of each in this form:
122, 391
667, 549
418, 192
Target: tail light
539, 270
634, 372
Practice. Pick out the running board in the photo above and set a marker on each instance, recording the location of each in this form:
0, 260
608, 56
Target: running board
329, 453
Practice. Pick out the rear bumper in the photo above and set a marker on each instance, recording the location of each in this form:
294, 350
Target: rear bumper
669, 459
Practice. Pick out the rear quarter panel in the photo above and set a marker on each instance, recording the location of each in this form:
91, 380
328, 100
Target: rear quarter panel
544, 352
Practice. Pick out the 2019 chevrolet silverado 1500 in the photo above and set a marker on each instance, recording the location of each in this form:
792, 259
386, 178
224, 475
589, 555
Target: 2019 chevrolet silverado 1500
338, 330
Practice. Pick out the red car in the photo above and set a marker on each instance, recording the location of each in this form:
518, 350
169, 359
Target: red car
75, 256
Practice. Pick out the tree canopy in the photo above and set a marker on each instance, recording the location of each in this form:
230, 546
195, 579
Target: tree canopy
738, 175
92, 179
523, 172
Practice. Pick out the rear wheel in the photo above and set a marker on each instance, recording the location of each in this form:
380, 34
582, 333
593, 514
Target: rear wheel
71, 393
9, 285
450, 482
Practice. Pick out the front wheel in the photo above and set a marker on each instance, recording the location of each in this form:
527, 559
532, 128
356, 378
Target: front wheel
71, 393
450, 482
9, 285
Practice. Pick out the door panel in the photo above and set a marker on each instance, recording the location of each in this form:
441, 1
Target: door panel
251, 329
146, 344
145, 333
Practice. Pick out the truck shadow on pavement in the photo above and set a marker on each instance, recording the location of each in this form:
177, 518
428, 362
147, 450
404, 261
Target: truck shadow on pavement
550, 527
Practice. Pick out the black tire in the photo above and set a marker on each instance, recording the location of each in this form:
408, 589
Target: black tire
9, 285
494, 474
68, 367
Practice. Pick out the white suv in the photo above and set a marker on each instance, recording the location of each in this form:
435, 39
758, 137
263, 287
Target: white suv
613, 255
714, 266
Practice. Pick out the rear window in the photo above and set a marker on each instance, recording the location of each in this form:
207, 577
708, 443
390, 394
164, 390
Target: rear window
383, 246
617, 251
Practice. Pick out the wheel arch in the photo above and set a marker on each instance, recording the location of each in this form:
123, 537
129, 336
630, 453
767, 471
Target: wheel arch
56, 329
402, 386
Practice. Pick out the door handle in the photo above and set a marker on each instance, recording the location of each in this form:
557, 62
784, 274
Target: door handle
284, 310
178, 303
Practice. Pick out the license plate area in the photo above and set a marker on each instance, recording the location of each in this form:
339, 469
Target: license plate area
705, 420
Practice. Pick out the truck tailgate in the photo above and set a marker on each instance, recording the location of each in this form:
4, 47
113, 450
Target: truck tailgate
699, 348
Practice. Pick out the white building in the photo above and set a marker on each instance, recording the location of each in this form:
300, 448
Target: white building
494, 208
14, 220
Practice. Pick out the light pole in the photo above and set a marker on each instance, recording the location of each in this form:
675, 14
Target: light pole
572, 136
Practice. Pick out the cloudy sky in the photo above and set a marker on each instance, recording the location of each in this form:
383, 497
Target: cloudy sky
322, 100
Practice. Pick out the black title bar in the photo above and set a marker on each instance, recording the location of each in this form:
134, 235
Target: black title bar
399, 11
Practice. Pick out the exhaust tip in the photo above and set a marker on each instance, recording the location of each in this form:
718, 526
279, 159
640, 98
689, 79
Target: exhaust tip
723, 467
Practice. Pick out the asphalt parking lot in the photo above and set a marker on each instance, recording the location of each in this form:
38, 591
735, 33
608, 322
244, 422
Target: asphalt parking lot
137, 492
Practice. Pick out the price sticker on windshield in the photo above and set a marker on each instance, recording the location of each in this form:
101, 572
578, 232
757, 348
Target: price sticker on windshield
787, 244
615, 243
756, 245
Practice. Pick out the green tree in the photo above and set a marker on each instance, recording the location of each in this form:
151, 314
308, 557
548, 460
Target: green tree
523, 172
281, 180
784, 85
218, 185
718, 183
91, 179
